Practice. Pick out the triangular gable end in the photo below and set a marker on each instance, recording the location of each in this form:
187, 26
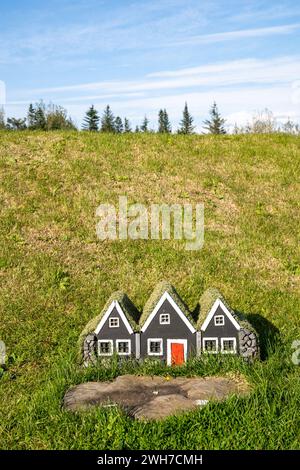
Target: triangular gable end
166, 296
219, 303
114, 304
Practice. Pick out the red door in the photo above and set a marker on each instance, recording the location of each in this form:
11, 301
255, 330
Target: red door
177, 354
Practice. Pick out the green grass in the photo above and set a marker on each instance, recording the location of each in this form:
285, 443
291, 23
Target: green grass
55, 276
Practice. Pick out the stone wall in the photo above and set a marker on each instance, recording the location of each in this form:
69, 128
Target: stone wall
248, 344
89, 349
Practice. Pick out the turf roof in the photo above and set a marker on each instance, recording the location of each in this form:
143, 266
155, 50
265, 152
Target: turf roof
129, 309
206, 302
154, 298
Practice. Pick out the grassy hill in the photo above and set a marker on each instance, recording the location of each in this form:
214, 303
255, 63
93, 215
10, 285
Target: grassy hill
56, 275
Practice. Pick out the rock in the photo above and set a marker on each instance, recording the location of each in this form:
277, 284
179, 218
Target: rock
163, 406
144, 397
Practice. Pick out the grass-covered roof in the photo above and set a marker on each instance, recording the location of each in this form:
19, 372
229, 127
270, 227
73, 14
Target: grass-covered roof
154, 298
129, 309
206, 302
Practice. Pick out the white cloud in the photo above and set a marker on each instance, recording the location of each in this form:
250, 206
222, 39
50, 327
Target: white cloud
239, 34
239, 87
242, 72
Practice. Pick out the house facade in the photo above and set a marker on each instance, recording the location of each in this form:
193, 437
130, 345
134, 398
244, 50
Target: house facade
114, 334
166, 330
220, 330
167, 333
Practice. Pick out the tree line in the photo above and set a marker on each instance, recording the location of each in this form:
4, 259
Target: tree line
39, 117
109, 123
53, 117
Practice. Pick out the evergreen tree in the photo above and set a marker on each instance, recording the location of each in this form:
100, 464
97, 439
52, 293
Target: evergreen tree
127, 126
108, 120
137, 129
161, 121
91, 120
40, 116
145, 124
167, 124
31, 119
164, 125
118, 125
186, 123
14, 124
2, 119
215, 125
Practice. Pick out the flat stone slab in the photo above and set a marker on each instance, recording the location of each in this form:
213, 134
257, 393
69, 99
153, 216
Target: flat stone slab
145, 397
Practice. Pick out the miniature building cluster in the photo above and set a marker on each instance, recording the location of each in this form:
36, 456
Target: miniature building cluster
166, 330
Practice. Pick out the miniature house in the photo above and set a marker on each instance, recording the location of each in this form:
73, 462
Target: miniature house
166, 330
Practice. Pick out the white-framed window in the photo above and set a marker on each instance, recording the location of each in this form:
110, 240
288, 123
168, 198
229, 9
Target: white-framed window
123, 347
219, 320
155, 346
210, 345
228, 345
105, 347
114, 322
164, 319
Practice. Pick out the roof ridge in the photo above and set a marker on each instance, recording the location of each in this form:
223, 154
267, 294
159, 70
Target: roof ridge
156, 294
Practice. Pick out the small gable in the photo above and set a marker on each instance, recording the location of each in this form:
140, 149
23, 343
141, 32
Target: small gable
166, 310
122, 306
114, 319
220, 317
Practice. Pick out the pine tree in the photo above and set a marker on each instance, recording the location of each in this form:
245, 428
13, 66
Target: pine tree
31, 118
127, 126
215, 125
119, 125
137, 129
107, 120
167, 124
164, 125
145, 124
91, 120
160, 121
40, 116
186, 124
2, 119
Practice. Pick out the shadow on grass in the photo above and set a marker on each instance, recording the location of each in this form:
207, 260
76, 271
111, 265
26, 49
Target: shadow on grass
269, 335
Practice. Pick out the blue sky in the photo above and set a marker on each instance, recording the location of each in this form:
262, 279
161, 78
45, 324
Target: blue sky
139, 56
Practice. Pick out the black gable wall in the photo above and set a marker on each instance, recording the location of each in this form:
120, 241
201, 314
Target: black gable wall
226, 331
116, 333
177, 329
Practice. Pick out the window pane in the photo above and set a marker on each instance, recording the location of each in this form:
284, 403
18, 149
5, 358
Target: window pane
219, 320
105, 348
155, 346
228, 345
164, 318
210, 345
123, 347
113, 322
